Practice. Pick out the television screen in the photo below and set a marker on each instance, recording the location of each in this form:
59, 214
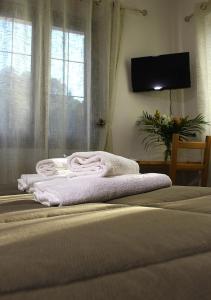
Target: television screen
169, 71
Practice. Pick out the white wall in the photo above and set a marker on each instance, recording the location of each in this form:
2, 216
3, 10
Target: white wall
162, 31
153, 34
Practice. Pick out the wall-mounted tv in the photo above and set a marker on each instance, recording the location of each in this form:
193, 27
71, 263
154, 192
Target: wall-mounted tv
169, 71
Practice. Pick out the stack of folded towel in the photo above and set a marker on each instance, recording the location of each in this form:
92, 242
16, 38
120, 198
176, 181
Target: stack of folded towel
96, 176
98, 163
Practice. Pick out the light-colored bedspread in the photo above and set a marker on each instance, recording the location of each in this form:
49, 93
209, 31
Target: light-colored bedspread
157, 249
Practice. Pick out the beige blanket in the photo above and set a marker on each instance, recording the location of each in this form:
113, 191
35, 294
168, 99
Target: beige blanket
153, 246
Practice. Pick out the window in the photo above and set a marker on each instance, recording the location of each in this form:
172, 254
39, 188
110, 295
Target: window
67, 64
67, 87
15, 77
66, 105
15, 46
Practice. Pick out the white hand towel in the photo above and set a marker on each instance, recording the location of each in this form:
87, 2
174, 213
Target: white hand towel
77, 190
100, 163
52, 166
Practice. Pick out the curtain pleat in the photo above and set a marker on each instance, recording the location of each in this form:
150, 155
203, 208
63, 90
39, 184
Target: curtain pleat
203, 66
203, 62
116, 34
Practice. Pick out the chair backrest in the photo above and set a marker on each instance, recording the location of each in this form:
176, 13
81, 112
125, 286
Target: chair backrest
201, 166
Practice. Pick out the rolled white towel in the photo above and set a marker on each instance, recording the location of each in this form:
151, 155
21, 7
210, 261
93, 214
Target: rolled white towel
77, 190
26, 181
52, 166
101, 163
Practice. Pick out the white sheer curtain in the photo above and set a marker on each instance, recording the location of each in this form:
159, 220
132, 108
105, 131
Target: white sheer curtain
202, 17
116, 34
54, 80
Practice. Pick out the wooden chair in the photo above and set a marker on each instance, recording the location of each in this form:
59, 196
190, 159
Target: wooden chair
192, 166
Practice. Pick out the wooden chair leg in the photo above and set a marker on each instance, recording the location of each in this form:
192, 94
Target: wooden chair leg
172, 175
204, 177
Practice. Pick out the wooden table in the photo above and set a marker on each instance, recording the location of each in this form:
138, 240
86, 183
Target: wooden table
153, 162
159, 166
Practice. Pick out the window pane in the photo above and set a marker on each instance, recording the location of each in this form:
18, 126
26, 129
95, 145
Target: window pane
58, 75
67, 91
76, 79
22, 38
57, 70
21, 63
15, 79
76, 47
75, 125
5, 60
59, 43
79, 99
5, 34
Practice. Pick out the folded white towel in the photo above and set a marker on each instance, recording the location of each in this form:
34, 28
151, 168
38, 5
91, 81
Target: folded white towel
52, 166
101, 163
66, 191
26, 181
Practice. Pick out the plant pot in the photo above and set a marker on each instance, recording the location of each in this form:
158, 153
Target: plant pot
167, 152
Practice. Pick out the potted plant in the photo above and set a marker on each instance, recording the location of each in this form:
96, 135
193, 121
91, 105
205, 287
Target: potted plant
160, 129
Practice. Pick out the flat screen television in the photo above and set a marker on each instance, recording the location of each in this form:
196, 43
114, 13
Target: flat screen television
169, 71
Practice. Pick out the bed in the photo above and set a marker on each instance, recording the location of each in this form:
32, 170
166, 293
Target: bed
150, 246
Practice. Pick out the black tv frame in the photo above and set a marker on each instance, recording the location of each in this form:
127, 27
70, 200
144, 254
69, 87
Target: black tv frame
162, 72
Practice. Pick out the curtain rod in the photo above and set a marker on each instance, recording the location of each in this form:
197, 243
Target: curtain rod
203, 6
97, 2
144, 12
